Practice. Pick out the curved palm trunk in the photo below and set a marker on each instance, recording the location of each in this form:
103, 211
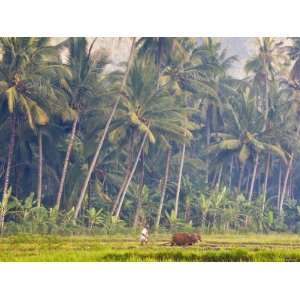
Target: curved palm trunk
164, 188
129, 166
99, 147
285, 182
265, 188
253, 177
179, 181
130, 176
121, 190
10, 154
140, 199
66, 163
40, 170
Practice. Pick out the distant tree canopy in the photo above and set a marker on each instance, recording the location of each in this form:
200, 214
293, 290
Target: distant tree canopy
172, 140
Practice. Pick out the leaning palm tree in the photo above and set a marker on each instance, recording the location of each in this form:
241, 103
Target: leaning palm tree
105, 132
151, 113
76, 88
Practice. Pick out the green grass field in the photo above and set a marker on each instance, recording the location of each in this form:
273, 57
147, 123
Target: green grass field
215, 247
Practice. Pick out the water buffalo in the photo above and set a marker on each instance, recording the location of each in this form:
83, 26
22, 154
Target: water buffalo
185, 239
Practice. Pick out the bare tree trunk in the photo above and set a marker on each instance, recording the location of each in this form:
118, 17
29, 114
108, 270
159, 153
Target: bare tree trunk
230, 173
121, 190
164, 188
242, 168
130, 176
279, 187
158, 63
179, 180
40, 170
214, 179
219, 178
247, 183
140, 196
266, 102
287, 174
129, 165
207, 142
187, 211
265, 188
66, 163
99, 147
291, 193
10, 153
253, 177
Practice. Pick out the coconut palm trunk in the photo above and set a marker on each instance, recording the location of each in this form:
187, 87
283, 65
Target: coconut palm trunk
285, 182
279, 187
158, 62
267, 104
140, 193
179, 180
242, 168
99, 147
11, 146
253, 177
207, 132
286, 178
265, 188
230, 173
130, 176
40, 169
164, 188
66, 163
129, 166
219, 178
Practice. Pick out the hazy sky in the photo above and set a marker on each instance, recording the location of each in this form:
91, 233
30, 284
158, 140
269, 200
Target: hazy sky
243, 47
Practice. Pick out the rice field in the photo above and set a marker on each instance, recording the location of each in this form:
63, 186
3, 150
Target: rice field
125, 248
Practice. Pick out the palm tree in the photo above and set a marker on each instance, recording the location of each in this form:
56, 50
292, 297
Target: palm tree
77, 88
162, 50
27, 64
105, 131
268, 63
243, 135
149, 112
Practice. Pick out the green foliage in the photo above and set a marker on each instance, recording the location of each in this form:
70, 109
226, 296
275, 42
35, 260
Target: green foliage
178, 91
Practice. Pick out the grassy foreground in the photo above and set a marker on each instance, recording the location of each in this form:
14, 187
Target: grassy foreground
215, 247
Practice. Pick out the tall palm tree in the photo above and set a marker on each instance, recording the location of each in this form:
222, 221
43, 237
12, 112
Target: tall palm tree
150, 112
27, 64
105, 132
268, 63
77, 88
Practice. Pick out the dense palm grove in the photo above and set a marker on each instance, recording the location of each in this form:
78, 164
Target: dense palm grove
168, 139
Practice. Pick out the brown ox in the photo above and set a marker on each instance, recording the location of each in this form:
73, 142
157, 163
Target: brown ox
185, 239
